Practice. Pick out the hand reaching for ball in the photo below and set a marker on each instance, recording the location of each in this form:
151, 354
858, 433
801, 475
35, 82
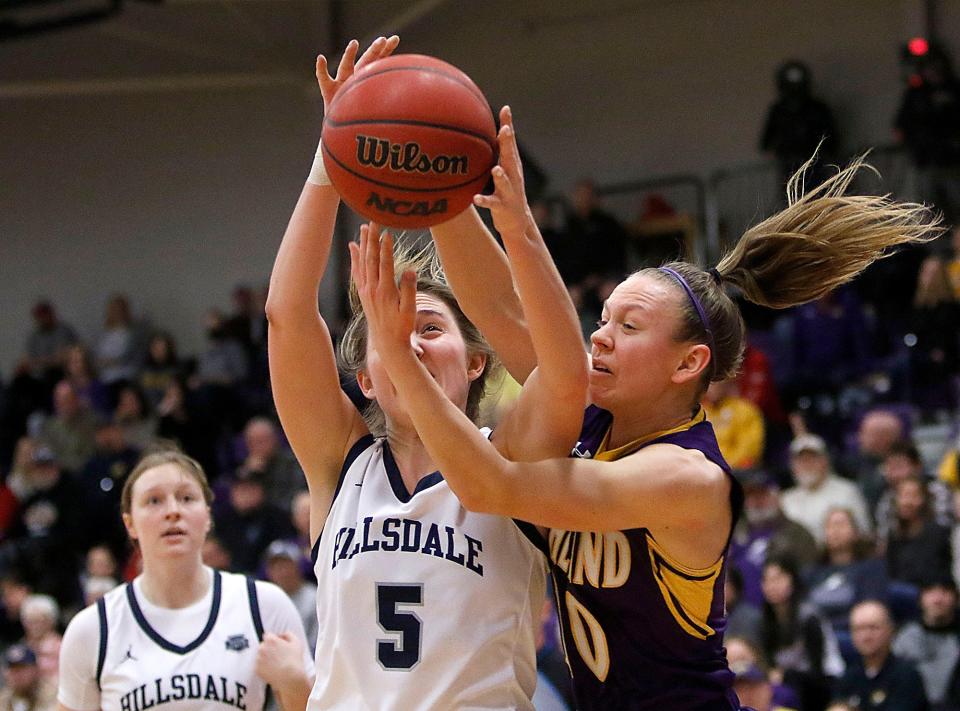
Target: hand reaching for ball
380, 48
508, 203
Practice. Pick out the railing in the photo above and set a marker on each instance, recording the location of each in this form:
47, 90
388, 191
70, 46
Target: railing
720, 207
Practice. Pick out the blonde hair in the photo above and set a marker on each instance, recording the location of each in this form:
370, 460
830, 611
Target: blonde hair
425, 263
188, 465
822, 239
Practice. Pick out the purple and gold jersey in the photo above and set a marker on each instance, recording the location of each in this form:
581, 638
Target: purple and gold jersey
640, 629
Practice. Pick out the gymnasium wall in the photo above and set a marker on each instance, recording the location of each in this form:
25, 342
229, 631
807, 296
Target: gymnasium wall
174, 194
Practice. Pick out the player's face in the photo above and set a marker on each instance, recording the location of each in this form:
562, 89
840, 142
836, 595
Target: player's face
168, 515
635, 358
440, 346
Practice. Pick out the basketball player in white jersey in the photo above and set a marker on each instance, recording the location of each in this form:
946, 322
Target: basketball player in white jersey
181, 636
422, 604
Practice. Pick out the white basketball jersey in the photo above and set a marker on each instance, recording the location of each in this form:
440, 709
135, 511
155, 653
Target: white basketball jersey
422, 604
138, 668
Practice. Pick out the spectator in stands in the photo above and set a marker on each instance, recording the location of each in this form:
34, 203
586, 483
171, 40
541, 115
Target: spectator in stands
935, 324
249, 523
878, 679
282, 476
600, 241
737, 422
117, 350
849, 572
795, 638
160, 368
224, 363
100, 484
80, 373
933, 642
955, 537
25, 689
916, 544
797, 122
96, 588
742, 652
743, 618
215, 554
100, 563
182, 420
818, 488
953, 260
132, 415
902, 462
70, 432
50, 527
47, 344
222, 369
831, 347
40, 616
754, 688
928, 123
13, 591
765, 532
877, 432
282, 562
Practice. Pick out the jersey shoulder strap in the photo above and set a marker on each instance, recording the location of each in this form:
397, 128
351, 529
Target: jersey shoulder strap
255, 607
102, 654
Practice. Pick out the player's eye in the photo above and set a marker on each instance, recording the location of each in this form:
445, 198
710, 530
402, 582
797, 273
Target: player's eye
601, 322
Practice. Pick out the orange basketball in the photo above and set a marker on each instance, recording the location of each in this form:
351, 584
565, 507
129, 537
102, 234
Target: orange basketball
409, 140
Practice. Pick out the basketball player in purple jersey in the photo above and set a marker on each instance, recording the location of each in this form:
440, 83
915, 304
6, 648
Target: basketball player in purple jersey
639, 518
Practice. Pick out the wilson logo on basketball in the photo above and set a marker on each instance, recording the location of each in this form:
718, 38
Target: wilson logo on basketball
406, 157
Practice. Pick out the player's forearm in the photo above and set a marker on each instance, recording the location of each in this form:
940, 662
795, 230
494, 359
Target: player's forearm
550, 316
471, 465
479, 273
303, 254
294, 694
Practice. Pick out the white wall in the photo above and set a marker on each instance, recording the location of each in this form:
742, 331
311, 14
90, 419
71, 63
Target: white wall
173, 196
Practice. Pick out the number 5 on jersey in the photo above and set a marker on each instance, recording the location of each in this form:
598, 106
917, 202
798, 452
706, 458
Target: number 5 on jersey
402, 654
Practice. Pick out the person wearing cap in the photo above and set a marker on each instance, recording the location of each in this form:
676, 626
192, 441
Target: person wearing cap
764, 531
24, 688
818, 489
754, 688
933, 642
878, 680
283, 564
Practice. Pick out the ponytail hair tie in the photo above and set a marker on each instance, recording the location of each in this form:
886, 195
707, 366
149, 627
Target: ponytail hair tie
715, 275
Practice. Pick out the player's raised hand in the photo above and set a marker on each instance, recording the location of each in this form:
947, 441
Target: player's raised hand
329, 85
508, 203
390, 311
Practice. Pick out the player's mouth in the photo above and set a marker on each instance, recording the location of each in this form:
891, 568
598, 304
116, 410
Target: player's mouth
174, 533
598, 367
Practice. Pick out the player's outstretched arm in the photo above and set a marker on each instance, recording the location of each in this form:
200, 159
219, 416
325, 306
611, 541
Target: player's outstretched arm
479, 274
546, 419
662, 487
318, 419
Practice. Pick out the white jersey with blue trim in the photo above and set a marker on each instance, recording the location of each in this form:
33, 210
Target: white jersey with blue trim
422, 604
199, 657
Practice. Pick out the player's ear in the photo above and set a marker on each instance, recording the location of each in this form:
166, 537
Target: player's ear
476, 363
128, 524
366, 385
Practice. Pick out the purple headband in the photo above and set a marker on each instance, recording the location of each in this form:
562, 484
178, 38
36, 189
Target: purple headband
696, 304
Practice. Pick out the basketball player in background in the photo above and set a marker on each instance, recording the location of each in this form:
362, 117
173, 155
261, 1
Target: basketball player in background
640, 516
181, 634
421, 604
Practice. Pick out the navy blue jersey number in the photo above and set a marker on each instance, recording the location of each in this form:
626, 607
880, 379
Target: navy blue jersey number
402, 653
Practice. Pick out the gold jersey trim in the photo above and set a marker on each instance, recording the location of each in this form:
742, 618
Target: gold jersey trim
687, 592
605, 455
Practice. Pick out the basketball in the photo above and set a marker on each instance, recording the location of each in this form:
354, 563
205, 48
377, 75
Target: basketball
408, 141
